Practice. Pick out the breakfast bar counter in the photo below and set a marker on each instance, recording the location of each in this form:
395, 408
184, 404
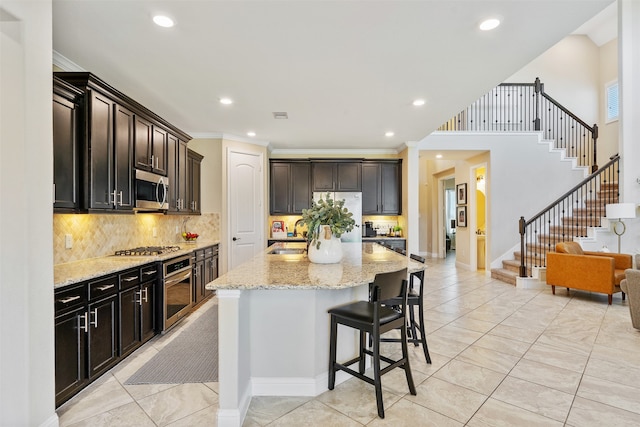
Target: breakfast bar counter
273, 328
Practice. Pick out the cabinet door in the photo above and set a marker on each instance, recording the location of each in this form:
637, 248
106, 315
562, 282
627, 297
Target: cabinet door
70, 354
300, 187
143, 137
349, 176
65, 153
123, 170
172, 172
183, 173
370, 188
159, 151
194, 182
198, 281
102, 343
101, 162
280, 186
147, 311
129, 320
323, 176
391, 189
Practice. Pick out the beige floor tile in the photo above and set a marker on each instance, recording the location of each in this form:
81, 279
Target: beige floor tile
624, 358
495, 413
206, 417
408, 414
610, 393
552, 356
266, 409
578, 342
357, 399
140, 391
178, 402
503, 345
395, 381
214, 386
124, 370
129, 415
102, 396
587, 413
450, 332
419, 362
315, 413
542, 400
614, 372
447, 347
473, 324
448, 399
476, 378
487, 358
547, 375
516, 334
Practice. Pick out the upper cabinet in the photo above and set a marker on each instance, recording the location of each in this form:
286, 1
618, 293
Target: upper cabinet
382, 187
177, 168
67, 108
101, 136
194, 161
290, 187
336, 176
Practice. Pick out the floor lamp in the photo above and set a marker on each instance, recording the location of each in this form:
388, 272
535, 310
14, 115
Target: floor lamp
620, 211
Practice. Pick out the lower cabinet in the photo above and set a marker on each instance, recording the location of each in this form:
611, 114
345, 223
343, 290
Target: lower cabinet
98, 322
205, 269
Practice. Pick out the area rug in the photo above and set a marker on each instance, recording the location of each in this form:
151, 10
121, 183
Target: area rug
191, 357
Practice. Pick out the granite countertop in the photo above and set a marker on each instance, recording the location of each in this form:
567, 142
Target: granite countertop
360, 264
78, 271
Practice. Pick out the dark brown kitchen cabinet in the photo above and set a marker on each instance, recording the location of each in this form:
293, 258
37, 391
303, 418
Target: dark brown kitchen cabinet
177, 169
136, 304
205, 269
151, 147
194, 161
102, 316
381, 187
210, 267
336, 176
67, 101
290, 187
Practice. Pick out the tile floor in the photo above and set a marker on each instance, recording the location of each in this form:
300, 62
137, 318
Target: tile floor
501, 357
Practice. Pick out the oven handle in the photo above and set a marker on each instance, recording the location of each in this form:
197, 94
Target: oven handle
173, 280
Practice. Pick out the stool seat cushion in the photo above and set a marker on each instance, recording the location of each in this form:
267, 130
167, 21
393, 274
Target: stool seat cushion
362, 311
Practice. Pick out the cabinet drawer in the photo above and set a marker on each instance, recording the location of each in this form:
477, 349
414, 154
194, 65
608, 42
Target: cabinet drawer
200, 255
129, 279
103, 287
209, 252
69, 298
149, 272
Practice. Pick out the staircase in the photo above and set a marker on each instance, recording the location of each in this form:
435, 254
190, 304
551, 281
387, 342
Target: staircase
580, 224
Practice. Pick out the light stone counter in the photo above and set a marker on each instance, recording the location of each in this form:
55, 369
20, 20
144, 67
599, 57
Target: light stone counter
273, 325
360, 264
78, 271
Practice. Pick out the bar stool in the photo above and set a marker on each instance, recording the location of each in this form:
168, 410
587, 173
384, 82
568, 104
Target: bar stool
375, 319
414, 299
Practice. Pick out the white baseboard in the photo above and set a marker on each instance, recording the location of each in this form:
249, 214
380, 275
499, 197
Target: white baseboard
52, 421
268, 386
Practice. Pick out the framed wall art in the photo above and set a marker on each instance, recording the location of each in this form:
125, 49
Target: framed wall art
461, 216
461, 194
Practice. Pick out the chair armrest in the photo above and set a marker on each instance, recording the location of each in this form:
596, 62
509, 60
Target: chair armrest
623, 261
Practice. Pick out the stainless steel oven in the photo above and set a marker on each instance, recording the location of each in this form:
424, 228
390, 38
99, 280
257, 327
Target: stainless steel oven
177, 290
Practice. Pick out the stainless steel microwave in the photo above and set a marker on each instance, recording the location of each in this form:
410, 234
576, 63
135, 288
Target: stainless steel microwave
151, 191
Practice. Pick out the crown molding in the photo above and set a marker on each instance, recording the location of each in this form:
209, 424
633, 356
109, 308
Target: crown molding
327, 151
228, 137
64, 63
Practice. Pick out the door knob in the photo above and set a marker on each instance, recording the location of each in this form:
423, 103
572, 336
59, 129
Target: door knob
235, 238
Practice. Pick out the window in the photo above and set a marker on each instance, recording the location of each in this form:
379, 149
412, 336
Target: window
611, 90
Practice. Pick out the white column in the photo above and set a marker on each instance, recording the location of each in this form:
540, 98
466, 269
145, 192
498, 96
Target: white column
413, 194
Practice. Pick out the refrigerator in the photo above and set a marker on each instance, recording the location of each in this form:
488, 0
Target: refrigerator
353, 202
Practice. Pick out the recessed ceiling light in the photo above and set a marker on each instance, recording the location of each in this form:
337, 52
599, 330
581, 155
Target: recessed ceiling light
489, 24
418, 102
226, 101
163, 21
280, 115
251, 134
438, 156
389, 133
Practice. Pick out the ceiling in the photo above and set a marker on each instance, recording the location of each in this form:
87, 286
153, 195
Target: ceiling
346, 72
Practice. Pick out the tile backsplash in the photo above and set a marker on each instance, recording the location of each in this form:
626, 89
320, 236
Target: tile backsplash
97, 235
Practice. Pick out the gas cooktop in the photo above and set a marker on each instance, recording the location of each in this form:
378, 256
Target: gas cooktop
148, 251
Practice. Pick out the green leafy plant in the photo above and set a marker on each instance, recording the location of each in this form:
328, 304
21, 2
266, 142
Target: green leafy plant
327, 212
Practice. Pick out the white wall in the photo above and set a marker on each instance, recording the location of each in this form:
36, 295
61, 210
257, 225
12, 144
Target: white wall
26, 179
211, 179
522, 177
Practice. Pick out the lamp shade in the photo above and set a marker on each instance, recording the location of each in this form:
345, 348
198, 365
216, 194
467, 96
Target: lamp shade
621, 210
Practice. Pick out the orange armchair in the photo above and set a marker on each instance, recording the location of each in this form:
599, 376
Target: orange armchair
571, 267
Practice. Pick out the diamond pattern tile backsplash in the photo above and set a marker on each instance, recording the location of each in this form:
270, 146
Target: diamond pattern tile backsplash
97, 235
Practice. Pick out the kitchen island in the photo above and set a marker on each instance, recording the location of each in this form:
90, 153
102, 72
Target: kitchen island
273, 329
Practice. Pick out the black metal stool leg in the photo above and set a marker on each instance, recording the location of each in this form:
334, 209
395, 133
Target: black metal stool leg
363, 340
376, 373
333, 338
407, 366
423, 334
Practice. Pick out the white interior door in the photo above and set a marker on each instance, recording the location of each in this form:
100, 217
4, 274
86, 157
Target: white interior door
246, 195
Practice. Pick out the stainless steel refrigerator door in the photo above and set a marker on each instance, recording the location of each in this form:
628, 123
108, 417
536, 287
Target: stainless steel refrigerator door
353, 202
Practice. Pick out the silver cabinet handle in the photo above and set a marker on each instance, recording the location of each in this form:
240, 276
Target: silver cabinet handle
152, 161
67, 300
114, 197
139, 297
105, 287
145, 295
94, 322
149, 273
83, 322
129, 279
157, 163
120, 198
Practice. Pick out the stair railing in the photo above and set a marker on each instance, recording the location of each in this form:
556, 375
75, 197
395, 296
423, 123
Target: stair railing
567, 217
524, 107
